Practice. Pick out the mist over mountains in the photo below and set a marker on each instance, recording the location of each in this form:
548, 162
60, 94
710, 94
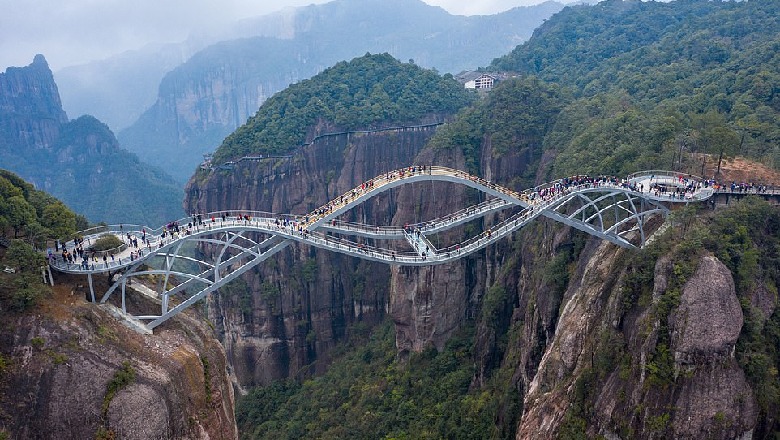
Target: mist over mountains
203, 100
79, 161
118, 89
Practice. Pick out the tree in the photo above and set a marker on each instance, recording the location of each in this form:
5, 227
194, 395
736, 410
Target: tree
22, 256
60, 220
19, 213
718, 138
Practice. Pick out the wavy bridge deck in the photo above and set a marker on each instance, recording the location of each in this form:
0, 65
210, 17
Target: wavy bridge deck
612, 209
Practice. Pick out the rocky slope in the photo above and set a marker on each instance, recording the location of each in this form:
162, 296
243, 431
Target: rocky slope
72, 371
706, 397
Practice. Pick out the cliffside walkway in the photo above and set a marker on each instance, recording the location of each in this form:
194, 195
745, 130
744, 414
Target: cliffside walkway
610, 208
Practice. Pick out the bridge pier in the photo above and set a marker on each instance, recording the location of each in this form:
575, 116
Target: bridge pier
91, 287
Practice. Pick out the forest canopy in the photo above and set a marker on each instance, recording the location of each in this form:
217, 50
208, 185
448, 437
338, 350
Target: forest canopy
656, 80
366, 92
34, 215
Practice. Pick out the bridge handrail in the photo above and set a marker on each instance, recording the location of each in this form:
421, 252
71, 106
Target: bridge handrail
665, 173
533, 198
770, 190
93, 231
422, 226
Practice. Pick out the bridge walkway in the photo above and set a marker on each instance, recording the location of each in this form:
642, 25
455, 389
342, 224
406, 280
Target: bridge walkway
606, 207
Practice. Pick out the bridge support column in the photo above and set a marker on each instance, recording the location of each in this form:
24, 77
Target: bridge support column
91, 289
51, 278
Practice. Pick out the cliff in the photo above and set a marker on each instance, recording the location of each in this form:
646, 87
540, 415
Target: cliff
318, 295
290, 312
30, 106
560, 316
600, 371
72, 371
219, 88
78, 161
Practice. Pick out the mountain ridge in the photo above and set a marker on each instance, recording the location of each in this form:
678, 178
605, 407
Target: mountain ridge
78, 161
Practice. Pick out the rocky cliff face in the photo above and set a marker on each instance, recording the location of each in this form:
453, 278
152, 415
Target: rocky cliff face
30, 108
61, 363
287, 315
78, 161
317, 296
704, 395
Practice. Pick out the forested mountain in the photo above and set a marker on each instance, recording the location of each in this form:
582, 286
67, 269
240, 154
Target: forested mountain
78, 161
657, 78
550, 334
369, 92
219, 88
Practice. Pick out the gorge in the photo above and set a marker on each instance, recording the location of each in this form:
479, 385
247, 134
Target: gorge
548, 333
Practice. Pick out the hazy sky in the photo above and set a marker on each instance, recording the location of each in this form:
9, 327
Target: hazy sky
69, 32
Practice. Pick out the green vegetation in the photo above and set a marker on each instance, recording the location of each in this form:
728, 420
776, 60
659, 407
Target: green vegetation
3, 364
516, 116
28, 219
653, 79
122, 378
57, 358
21, 290
33, 215
369, 393
132, 192
106, 242
746, 238
206, 377
367, 92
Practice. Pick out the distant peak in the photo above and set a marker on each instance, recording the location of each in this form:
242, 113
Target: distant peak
39, 60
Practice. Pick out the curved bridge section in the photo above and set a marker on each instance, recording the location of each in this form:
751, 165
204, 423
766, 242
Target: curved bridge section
612, 209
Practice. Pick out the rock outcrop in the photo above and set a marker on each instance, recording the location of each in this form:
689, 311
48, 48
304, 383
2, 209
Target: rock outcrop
62, 363
30, 109
706, 397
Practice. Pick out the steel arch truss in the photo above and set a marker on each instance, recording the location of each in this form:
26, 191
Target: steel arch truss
613, 214
234, 253
611, 210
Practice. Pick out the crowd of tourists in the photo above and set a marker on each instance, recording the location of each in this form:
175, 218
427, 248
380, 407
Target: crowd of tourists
674, 187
